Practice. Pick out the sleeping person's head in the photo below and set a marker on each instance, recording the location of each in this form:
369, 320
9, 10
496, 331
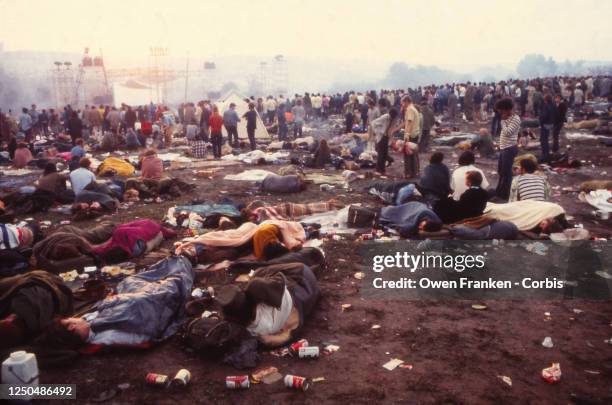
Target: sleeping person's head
66, 333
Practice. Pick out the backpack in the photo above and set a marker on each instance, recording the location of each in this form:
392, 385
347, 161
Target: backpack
360, 217
214, 337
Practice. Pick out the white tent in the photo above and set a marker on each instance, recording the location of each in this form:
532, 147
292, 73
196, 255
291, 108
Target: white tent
242, 107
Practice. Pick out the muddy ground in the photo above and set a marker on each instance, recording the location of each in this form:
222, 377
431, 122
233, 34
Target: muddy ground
456, 352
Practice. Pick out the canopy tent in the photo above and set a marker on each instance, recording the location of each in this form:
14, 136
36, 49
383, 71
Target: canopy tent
132, 93
242, 107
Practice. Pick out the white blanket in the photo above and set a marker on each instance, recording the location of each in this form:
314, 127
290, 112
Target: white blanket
525, 214
249, 175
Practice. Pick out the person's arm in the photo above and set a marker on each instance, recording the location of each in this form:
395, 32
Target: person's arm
514, 195
546, 190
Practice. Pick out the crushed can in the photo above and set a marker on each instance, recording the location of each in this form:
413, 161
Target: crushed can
236, 382
295, 347
297, 382
308, 352
160, 380
182, 377
552, 374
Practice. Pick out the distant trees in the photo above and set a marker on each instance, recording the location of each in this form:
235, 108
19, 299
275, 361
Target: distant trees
537, 65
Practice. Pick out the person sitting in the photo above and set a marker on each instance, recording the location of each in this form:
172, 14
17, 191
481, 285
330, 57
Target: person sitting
274, 304
466, 164
151, 166
55, 183
322, 155
23, 156
472, 202
435, 181
82, 177
198, 147
131, 140
147, 308
77, 150
528, 185
484, 144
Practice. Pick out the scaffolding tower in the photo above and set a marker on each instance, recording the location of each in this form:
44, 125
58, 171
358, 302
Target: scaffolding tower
280, 76
64, 84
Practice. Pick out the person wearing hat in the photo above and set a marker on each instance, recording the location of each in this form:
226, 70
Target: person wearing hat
274, 303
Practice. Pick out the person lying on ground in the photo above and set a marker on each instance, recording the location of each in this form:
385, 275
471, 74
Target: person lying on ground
528, 185
22, 156
133, 239
527, 214
28, 304
89, 205
467, 162
15, 244
274, 304
82, 177
292, 234
435, 181
471, 203
259, 211
274, 183
146, 308
410, 218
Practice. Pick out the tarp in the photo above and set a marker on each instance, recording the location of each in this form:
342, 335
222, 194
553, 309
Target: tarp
131, 93
242, 107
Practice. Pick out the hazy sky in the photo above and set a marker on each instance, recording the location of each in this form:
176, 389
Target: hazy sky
469, 32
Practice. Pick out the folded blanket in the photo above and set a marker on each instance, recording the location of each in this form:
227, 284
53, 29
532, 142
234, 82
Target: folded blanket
525, 214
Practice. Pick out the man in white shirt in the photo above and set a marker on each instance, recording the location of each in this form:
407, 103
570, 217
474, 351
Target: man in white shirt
270, 109
82, 177
466, 164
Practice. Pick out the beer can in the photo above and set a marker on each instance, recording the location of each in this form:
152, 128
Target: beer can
235, 382
295, 347
157, 379
182, 377
297, 382
308, 352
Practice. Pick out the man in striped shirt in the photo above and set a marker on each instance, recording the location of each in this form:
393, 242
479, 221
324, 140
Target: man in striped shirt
529, 186
510, 127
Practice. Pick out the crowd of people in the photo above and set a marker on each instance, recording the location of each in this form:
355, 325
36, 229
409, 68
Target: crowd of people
281, 291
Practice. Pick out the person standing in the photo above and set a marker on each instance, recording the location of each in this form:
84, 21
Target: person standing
204, 118
251, 119
428, 122
383, 128
282, 122
559, 118
546, 125
230, 121
373, 113
412, 125
25, 123
453, 100
299, 115
510, 128
468, 102
270, 109
130, 118
216, 137
75, 127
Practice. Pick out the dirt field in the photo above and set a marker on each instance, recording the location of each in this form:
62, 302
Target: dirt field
456, 352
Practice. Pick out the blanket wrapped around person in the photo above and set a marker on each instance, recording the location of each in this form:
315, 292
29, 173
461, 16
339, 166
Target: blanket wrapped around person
290, 234
146, 308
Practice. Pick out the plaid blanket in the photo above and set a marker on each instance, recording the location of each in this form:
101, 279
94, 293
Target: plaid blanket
286, 211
